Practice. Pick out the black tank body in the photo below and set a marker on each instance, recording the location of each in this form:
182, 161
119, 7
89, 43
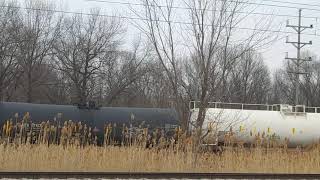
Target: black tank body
154, 117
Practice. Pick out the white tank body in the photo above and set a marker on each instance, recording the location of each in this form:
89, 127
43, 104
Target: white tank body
300, 128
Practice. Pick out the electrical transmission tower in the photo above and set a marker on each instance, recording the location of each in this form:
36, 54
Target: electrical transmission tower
298, 61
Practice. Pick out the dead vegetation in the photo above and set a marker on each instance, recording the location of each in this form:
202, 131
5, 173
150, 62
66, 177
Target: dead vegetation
135, 159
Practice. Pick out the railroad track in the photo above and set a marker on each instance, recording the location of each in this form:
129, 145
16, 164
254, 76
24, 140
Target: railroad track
134, 175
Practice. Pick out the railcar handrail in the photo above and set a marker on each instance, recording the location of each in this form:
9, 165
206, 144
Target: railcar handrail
284, 108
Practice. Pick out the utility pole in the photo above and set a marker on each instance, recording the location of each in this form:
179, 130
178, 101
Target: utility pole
298, 61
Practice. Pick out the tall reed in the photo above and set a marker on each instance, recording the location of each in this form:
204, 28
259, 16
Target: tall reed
136, 159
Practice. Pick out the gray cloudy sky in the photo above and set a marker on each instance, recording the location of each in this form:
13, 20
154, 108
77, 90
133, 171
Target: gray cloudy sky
273, 54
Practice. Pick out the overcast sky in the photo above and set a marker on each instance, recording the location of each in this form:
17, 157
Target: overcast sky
273, 54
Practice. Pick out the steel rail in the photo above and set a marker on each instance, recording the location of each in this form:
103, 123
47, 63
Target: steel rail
139, 175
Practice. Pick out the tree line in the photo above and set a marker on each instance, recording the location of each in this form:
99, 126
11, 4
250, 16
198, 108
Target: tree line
51, 57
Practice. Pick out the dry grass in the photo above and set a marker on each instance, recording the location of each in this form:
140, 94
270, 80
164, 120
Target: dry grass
133, 159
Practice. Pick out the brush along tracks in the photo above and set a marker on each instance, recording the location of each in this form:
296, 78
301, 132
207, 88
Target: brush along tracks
41, 158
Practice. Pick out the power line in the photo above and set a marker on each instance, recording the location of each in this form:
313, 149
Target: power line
142, 19
295, 3
273, 5
187, 8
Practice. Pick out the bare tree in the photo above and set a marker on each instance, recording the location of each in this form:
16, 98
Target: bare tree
83, 48
310, 84
39, 29
209, 22
152, 89
208, 40
160, 30
122, 71
8, 47
214, 54
250, 80
283, 85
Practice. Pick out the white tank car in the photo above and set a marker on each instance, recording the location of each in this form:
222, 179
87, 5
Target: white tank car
296, 125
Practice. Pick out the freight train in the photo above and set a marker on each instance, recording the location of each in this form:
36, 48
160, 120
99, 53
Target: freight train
95, 117
295, 126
